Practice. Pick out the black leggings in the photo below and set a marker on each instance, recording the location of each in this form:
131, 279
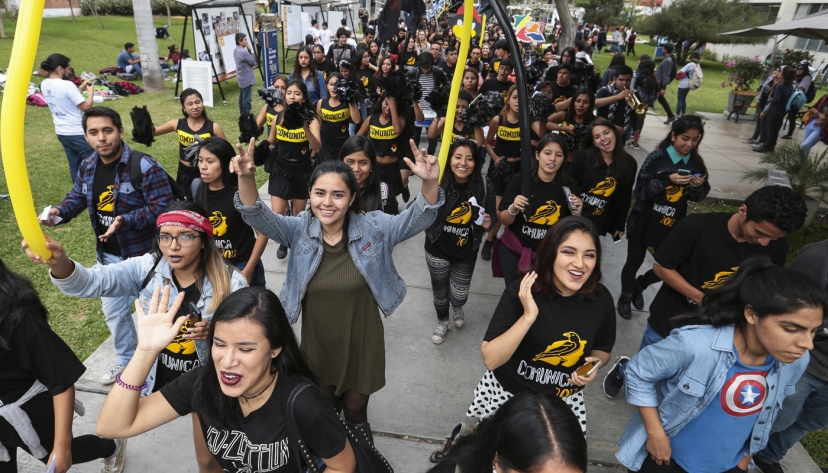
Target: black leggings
635, 257
432, 142
662, 100
791, 121
41, 412
509, 264
774, 119
353, 403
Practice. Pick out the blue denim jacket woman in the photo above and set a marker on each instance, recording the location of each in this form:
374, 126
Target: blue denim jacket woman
773, 314
317, 89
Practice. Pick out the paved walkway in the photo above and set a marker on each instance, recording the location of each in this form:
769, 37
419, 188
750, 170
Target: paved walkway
429, 387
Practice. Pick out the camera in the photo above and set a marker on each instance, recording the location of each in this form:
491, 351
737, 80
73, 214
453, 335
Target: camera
272, 96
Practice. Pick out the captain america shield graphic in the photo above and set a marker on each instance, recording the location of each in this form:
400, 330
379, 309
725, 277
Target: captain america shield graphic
744, 394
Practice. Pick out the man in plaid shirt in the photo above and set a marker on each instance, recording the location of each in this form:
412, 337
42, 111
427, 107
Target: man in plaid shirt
123, 217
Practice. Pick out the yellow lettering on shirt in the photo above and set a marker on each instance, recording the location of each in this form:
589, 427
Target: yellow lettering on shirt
508, 134
269, 120
186, 139
336, 116
296, 135
386, 133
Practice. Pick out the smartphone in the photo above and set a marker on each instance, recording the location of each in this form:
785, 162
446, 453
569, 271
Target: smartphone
195, 314
569, 194
683, 172
588, 368
616, 238
698, 174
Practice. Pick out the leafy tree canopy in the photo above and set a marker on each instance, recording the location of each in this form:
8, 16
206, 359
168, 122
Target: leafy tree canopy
603, 12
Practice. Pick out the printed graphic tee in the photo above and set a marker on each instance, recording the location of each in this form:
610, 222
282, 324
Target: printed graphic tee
567, 330
719, 437
180, 355
103, 190
260, 442
456, 242
232, 236
547, 205
495, 85
63, 98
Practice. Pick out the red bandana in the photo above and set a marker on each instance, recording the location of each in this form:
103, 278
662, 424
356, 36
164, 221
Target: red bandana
187, 219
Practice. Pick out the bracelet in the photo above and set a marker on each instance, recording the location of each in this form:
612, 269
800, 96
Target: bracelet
509, 209
129, 386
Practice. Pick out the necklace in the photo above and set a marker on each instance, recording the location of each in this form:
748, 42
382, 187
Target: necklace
248, 398
332, 235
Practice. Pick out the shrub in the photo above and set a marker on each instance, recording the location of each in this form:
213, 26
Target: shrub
124, 7
709, 55
792, 58
743, 71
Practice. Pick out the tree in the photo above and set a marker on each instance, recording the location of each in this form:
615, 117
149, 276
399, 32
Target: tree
153, 78
72, 11
568, 25
603, 12
94, 6
701, 21
169, 16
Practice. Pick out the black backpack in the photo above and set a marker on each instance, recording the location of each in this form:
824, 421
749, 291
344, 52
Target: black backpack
136, 177
810, 93
673, 69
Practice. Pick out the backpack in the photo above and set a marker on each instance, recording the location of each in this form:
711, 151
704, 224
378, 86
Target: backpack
673, 69
136, 177
811, 93
696, 80
796, 101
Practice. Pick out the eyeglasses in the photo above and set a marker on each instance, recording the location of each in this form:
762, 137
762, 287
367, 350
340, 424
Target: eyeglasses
184, 241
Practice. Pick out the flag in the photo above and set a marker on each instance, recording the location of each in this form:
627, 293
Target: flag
387, 21
416, 11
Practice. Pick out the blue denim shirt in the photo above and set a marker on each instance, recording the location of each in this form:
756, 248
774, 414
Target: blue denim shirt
682, 375
371, 241
125, 278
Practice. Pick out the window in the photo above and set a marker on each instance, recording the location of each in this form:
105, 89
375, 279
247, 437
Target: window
767, 12
803, 10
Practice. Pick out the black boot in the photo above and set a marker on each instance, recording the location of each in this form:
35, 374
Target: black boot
624, 309
638, 294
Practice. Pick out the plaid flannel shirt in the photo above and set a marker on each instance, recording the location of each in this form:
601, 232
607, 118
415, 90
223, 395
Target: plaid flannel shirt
139, 210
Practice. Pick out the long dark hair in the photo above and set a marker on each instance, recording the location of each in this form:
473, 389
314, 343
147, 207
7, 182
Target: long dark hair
225, 152
524, 433
261, 306
548, 250
645, 80
188, 92
370, 198
20, 300
768, 290
571, 52
589, 115
683, 125
297, 69
477, 185
624, 164
344, 171
306, 102
561, 176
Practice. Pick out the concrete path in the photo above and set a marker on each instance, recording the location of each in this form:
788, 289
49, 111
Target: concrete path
429, 387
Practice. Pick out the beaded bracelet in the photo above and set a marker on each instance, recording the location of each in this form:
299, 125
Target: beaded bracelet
129, 386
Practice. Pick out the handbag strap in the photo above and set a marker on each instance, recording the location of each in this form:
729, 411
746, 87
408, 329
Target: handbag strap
297, 445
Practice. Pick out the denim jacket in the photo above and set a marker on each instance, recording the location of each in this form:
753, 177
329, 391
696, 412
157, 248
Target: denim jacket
371, 241
682, 375
436, 228
125, 278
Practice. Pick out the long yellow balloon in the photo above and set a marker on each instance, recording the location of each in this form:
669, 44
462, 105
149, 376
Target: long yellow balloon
457, 81
26, 37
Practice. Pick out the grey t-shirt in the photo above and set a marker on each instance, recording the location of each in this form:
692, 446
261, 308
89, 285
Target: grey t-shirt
813, 260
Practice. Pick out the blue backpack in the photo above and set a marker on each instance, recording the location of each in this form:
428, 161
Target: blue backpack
796, 101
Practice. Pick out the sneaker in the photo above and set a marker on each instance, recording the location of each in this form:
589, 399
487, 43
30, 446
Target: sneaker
624, 309
115, 464
750, 141
768, 467
486, 251
638, 294
634, 145
613, 382
786, 137
670, 120
406, 194
282, 252
109, 377
458, 316
440, 331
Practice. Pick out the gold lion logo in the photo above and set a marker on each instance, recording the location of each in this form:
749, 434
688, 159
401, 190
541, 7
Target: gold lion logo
604, 188
719, 279
461, 215
106, 201
547, 214
674, 193
563, 352
219, 223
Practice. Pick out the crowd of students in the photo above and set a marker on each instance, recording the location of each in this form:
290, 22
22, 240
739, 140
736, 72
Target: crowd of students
729, 335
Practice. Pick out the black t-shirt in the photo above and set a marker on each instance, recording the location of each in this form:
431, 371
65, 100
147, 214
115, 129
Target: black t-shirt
35, 353
480, 66
365, 81
618, 112
103, 191
497, 86
562, 93
326, 67
180, 355
260, 443
456, 243
606, 203
233, 237
567, 330
449, 71
704, 252
547, 205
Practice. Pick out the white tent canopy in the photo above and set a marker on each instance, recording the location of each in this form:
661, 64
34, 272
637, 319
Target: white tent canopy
812, 27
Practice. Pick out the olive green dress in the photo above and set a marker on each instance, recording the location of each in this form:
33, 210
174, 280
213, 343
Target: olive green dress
342, 334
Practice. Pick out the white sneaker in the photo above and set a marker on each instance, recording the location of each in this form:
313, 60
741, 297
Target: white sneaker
115, 463
439, 334
109, 377
458, 316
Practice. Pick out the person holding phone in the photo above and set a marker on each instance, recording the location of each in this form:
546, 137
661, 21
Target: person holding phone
558, 318
184, 258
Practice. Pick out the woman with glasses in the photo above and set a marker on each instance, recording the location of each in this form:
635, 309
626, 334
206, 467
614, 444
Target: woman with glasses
185, 258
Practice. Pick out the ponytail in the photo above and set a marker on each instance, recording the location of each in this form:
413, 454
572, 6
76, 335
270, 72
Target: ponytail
766, 288
54, 61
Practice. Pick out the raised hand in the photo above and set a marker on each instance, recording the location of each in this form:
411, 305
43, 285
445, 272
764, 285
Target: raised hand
158, 327
243, 164
530, 308
425, 166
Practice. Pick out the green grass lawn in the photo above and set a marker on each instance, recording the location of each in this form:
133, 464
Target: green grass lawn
80, 321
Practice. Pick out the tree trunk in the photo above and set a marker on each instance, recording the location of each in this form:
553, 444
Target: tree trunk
2, 13
568, 26
72, 11
169, 15
151, 66
94, 5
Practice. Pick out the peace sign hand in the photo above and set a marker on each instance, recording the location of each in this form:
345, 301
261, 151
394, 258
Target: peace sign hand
425, 166
243, 164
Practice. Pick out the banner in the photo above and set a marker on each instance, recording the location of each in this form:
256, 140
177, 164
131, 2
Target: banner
270, 55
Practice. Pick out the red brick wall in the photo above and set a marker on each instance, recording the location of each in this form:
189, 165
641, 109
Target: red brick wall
61, 3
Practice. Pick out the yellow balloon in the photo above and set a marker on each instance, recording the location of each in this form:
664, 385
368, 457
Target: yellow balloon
26, 37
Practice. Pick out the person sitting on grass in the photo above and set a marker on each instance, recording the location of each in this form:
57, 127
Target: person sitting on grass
129, 62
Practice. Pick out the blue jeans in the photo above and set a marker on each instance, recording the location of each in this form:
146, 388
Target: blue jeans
650, 338
77, 149
258, 276
811, 136
135, 69
119, 319
803, 412
681, 106
245, 97
363, 108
